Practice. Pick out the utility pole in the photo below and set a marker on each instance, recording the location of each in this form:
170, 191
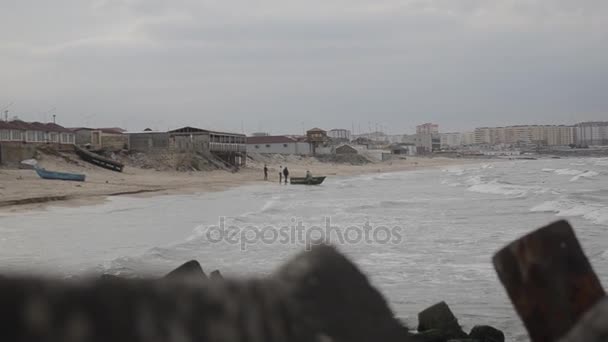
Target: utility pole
54, 117
5, 110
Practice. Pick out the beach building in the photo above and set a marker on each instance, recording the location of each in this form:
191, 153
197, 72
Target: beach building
427, 128
230, 147
451, 140
427, 143
101, 138
19, 139
339, 134
278, 144
317, 138
403, 149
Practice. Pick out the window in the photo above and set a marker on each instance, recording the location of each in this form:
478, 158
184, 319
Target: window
31, 136
4, 134
41, 136
54, 137
16, 135
64, 138
285, 145
267, 146
257, 146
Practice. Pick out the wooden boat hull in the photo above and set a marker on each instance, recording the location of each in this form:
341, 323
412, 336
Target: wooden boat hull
98, 160
304, 181
45, 174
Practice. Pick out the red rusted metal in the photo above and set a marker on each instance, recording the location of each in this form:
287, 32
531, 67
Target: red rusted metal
549, 280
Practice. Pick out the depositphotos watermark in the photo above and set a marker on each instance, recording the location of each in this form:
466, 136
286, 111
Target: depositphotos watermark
299, 233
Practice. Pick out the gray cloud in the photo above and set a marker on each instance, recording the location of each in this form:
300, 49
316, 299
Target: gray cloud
273, 65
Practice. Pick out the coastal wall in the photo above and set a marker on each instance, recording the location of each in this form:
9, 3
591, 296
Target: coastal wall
113, 141
148, 141
14, 153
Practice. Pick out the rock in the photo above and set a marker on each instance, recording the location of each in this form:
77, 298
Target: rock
109, 277
430, 336
319, 296
440, 317
335, 298
146, 310
593, 327
216, 275
484, 333
191, 270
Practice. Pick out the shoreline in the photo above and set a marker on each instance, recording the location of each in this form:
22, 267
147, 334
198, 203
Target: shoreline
23, 190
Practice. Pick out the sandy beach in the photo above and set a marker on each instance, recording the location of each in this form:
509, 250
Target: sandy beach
24, 190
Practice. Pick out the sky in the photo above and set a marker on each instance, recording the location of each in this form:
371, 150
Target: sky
281, 66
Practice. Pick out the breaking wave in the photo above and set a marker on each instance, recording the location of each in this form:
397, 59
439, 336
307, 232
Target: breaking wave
565, 207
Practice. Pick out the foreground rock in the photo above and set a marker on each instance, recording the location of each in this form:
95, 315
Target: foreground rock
483, 333
216, 275
319, 296
191, 270
440, 318
334, 297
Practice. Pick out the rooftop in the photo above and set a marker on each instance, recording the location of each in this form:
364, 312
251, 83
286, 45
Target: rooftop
33, 126
271, 139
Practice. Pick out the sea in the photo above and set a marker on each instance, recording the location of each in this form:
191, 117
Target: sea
421, 236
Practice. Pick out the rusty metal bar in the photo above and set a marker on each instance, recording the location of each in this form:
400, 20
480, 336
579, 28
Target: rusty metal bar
549, 280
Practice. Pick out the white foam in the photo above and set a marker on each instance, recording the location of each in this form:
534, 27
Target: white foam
457, 171
548, 170
497, 188
565, 207
568, 172
602, 162
587, 174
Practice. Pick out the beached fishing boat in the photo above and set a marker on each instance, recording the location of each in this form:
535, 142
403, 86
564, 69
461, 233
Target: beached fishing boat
98, 160
305, 181
45, 174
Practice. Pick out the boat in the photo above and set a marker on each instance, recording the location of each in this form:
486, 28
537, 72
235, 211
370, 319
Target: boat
305, 181
98, 160
46, 174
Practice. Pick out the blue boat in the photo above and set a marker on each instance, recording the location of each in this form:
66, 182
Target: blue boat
45, 174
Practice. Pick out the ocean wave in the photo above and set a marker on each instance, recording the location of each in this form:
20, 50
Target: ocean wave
498, 188
566, 207
449, 183
568, 172
482, 185
586, 174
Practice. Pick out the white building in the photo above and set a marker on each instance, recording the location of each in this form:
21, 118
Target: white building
451, 140
550, 135
468, 138
341, 134
278, 144
427, 128
591, 133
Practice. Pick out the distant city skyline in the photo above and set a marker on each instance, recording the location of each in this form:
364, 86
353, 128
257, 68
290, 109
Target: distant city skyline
364, 128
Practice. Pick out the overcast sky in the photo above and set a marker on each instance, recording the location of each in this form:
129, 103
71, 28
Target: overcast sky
282, 65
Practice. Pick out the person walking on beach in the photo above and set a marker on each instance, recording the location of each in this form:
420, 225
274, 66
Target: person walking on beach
286, 174
280, 174
265, 172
